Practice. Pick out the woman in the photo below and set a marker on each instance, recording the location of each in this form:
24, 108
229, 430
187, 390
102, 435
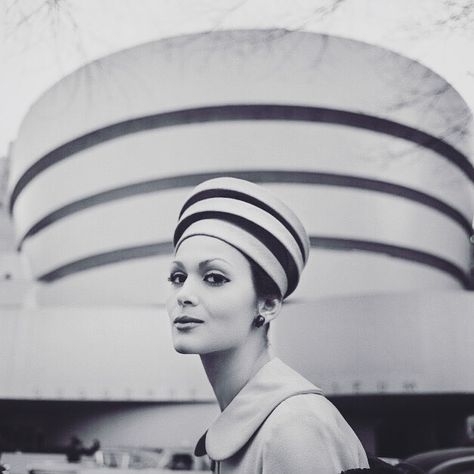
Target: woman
239, 251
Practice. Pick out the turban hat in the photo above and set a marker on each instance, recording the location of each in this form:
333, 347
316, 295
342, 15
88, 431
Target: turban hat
253, 220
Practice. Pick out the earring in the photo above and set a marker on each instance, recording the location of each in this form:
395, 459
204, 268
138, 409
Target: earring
259, 321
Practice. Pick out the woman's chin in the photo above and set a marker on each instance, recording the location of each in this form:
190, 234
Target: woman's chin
184, 349
185, 346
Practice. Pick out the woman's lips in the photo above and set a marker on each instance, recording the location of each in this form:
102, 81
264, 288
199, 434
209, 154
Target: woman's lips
187, 319
186, 322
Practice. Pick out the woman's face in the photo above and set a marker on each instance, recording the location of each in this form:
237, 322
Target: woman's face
212, 301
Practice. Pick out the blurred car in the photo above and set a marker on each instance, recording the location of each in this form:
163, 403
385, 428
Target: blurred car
51, 466
183, 460
126, 461
459, 460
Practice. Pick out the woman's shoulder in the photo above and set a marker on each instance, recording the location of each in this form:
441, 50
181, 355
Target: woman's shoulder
308, 431
306, 410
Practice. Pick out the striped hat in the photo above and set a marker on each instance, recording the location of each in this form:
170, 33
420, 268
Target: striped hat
251, 219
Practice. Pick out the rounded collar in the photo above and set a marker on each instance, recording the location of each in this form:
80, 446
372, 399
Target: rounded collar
272, 384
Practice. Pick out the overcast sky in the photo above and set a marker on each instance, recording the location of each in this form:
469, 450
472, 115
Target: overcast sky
43, 40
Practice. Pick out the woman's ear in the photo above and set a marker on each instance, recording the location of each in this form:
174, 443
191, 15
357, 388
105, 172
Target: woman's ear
269, 307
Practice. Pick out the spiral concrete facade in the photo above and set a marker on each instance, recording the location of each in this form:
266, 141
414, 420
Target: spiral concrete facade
370, 149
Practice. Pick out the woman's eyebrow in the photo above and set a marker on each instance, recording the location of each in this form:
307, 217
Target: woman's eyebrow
205, 263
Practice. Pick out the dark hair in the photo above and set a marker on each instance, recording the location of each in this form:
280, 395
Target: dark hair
264, 285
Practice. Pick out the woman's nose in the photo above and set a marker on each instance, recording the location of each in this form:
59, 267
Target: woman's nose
186, 295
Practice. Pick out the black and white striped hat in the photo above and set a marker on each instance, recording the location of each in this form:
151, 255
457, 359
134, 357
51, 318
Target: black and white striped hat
251, 219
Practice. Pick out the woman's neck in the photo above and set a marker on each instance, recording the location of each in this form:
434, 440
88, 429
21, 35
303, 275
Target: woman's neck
228, 371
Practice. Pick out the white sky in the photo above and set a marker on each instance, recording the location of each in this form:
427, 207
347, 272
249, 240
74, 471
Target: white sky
40, 43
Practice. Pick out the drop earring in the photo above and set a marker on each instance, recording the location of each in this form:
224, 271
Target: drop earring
259, 321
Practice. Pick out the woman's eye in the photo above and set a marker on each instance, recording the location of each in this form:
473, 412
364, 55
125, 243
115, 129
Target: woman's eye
177, 278
215, 279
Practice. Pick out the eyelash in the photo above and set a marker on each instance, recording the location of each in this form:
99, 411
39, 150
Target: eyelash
219, 276
173, 278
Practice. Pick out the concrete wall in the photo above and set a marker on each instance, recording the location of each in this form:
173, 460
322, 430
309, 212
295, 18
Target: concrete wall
384, 344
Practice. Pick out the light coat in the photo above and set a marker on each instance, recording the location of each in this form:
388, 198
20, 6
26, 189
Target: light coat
280, 423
